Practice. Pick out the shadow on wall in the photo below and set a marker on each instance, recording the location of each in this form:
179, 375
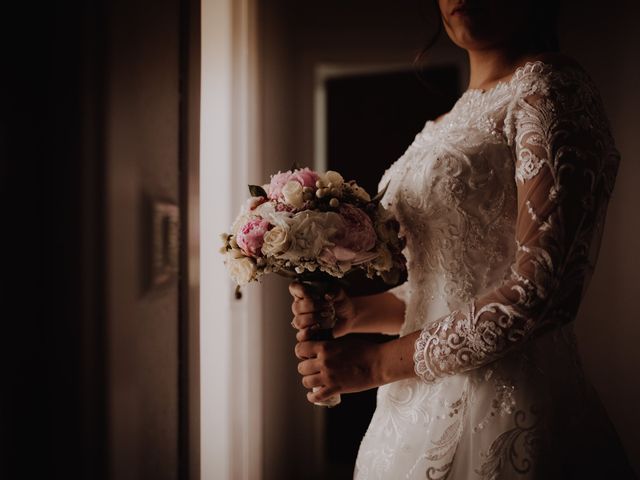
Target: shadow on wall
606, 41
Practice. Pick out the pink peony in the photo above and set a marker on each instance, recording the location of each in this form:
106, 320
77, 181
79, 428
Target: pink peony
305, 176
251, 236
342, 256
359, 234
355, 258
283, 207
278, 181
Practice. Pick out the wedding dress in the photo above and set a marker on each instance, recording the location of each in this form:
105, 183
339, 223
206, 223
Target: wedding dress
502, 203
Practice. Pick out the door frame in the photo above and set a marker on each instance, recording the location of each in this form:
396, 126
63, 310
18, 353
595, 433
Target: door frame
189, 288
230, 328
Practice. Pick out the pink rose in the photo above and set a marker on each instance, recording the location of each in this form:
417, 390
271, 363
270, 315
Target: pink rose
251, 236
278, 181
305, 176
359, 234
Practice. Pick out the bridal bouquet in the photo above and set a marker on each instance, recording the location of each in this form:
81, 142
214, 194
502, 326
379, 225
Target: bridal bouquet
315, 227
312, 225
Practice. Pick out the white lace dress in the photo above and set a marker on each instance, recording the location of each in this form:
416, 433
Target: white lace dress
502, 204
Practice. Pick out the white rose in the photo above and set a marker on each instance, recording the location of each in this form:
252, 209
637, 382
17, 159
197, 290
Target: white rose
268, 212
292, 192
360, 193
242, 269
334, 178
276, 240
250, 204
265, 210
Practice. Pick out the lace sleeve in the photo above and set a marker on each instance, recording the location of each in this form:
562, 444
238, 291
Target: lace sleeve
565, 168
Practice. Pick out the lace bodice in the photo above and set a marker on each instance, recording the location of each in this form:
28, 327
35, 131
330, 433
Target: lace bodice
502, 203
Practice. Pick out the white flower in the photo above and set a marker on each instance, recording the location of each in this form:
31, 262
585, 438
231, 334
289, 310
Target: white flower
268, 211
265, 210
276, 240
250, 204
242, 269
239, 222
360, 193
292, 192
334, 178
311, 232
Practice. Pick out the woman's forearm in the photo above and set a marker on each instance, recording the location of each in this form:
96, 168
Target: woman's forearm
380, 313
394, 359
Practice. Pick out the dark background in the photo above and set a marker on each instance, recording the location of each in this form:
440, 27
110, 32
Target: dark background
374, 118
94, 363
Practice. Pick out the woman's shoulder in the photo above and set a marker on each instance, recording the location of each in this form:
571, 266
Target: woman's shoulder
550, 88
548, 72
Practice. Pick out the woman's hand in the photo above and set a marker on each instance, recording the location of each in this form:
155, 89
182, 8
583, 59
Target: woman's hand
310, 315
344, 365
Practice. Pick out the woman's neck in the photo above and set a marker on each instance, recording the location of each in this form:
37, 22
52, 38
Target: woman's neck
488, 67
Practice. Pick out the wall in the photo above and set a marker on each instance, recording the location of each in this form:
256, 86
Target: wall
215, 211
141, 131
288, 426
606, 41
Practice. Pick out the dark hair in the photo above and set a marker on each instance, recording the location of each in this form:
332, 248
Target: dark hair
433, 39
544, 38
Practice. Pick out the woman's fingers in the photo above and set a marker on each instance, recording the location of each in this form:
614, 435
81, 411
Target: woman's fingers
308, 305
305, 305
309, 367
306, 350
322, 394
297, 291
305, 334
305, 320
311, 381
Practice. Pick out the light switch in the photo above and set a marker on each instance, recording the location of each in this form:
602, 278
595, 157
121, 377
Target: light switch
165, 242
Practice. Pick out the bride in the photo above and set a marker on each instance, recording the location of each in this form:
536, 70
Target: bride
502, 203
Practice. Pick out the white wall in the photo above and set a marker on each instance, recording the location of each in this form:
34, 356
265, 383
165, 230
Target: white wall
231, 329
215, 208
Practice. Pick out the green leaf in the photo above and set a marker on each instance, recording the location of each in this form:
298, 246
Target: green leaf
257, 191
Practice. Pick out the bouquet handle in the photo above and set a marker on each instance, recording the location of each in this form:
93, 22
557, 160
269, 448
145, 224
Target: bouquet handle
318, 289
